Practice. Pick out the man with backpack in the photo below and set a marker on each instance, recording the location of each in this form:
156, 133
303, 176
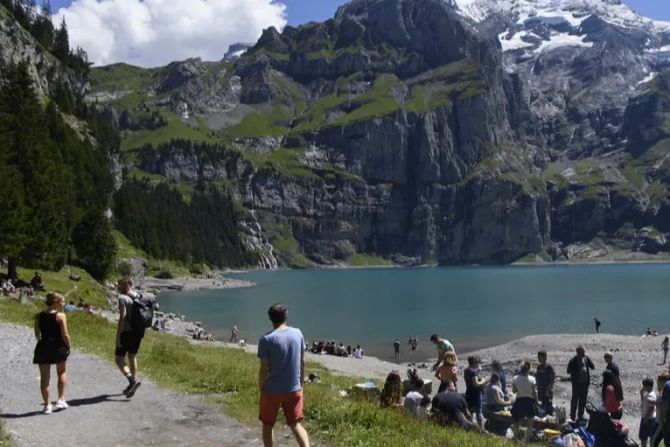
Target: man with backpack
135, 315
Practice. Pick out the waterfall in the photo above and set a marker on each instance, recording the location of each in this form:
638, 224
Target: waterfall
255, 239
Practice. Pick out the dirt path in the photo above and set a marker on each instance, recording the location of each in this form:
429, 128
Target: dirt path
99, 415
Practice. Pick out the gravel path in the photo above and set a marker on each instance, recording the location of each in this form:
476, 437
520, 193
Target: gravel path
99, 415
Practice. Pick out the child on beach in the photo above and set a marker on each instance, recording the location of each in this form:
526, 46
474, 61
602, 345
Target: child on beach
648, 424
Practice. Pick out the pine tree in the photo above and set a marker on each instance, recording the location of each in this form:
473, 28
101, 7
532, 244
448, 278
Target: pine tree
95, 245
61, 48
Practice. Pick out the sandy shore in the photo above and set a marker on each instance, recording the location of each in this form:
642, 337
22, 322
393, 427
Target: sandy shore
189, 283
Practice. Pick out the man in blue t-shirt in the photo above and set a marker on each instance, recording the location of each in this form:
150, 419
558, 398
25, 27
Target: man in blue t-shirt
281, 375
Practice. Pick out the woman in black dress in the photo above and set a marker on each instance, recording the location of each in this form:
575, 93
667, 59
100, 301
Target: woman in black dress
53, 348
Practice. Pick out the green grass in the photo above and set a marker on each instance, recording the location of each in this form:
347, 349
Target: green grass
175, 129
87, 289
284, 160
229, 377
286, 246
366, 260
125, 249
5, 439
121, 77
256, 124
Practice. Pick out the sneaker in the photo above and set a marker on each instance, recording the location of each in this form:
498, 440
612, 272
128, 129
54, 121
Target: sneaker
126, 389
133, 389
60, 405
47, 409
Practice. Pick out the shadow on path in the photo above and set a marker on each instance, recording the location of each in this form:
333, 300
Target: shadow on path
72, 403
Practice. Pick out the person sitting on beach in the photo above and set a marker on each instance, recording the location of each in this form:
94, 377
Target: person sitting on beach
523, 386
447, 372
36, 283
392, 392
497, 368
74, 276
612, 395
349, 350
495, 398
648, 333
358, 352
451, 407
443, 346
416, 404
474, 386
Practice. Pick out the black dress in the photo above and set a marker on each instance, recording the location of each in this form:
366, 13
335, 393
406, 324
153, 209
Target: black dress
51, 347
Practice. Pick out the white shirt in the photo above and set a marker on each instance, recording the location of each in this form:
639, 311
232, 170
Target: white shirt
648, 400
412, 404
524, 385
358, 353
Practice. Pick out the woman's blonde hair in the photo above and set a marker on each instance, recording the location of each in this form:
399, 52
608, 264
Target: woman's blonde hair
525, 367
450, 358
54, 297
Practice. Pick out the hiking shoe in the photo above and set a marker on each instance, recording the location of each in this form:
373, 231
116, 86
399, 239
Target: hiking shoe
133, 389
126, 389
60, 405
47, 409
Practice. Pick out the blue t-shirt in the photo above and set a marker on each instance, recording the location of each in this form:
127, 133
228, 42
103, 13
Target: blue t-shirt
666, 398
283, 348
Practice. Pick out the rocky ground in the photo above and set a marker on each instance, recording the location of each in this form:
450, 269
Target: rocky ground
190, 283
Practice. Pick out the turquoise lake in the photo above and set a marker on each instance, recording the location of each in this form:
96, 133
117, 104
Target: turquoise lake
474, 307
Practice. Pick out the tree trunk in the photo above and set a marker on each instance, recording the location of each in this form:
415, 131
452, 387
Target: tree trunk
11, 269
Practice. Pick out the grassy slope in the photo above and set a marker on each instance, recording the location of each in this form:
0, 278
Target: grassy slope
228, 376
87, 289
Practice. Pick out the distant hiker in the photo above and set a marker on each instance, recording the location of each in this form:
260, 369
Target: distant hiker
612, 394
648, 424
597, 323
523, 409
580, 377
443, 346
135, 315
545, 376
396, 349
281, 376
611, 366
234, 335
53, 348
664, 346
474, 387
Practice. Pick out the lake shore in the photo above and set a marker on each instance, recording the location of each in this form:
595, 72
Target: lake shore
189, 283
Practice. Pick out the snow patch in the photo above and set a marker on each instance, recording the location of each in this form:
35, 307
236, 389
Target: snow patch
648, 78
559, 40
515, 42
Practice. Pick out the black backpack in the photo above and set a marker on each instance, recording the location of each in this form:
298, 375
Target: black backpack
142, 314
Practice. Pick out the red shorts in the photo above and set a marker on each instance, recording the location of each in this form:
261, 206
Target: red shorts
291, 403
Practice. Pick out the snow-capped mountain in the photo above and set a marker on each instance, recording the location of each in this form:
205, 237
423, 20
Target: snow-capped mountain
581, 60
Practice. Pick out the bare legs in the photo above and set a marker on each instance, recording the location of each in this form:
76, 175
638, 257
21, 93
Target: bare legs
45, 378
298, 431
132, 361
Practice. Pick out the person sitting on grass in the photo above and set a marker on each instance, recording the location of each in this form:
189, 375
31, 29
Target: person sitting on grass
36, 283
391, 395
495, 398
451, 407
416, 404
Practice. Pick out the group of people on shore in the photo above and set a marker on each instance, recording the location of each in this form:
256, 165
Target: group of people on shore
338, 349
54, 342
531, 394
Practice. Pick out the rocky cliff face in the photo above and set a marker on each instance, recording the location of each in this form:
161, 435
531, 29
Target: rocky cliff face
427, 131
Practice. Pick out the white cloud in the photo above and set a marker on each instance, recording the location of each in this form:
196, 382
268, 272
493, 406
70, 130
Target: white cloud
150, 33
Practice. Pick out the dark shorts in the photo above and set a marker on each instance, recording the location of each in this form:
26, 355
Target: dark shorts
647, 428
290, 403
50, 353
129, 344
523, 408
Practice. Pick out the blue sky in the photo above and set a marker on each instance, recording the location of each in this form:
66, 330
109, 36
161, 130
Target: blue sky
301, 11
